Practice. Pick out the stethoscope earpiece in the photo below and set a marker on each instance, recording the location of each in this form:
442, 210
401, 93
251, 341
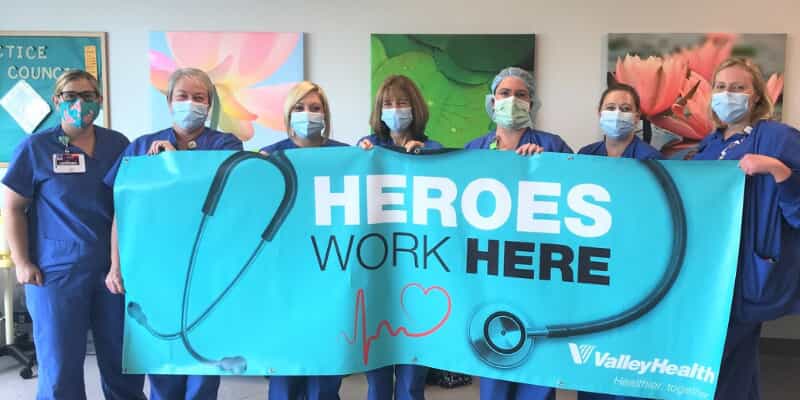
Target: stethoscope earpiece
235, 365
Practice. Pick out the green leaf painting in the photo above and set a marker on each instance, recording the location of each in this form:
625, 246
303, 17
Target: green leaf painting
453, 72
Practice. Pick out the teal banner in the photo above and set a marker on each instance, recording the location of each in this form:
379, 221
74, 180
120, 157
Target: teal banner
569, 271
30, 64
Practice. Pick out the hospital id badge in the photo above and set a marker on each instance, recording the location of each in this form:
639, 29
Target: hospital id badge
69, 163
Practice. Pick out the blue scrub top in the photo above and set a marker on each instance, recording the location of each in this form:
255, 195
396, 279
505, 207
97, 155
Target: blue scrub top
69, 221
550, 142
377, 141
208, 140
287, 144
768, 274
637, 149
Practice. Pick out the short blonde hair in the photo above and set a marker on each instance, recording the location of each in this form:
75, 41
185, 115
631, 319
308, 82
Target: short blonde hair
763, 107
297, 93
191, 73
75, 75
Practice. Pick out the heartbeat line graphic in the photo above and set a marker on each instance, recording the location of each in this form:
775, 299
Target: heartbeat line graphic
361, 310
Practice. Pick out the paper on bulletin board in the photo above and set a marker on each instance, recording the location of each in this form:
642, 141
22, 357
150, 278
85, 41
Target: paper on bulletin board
30, 64
25, 106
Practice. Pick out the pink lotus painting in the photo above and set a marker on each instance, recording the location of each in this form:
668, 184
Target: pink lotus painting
251, 71
672, 74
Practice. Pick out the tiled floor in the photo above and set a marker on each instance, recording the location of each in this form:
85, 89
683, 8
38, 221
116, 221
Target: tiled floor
232, 388
780, 382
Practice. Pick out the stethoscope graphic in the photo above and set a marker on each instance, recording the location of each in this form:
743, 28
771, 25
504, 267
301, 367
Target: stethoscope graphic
234, 364
502, 339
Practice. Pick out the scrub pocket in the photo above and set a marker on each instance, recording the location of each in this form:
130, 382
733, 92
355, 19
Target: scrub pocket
769, 281
54, 252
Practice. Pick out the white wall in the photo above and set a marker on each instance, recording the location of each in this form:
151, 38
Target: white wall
570, 44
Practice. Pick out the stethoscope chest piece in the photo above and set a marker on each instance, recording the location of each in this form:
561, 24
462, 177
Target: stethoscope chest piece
499, 337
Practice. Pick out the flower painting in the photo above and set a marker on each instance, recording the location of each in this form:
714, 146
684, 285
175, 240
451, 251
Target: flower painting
454, 73
672, 74
252, 72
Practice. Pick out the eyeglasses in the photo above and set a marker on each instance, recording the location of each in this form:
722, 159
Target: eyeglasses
85, 96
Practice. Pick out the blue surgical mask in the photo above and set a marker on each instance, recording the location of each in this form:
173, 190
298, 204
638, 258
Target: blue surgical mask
730, 107
617, 124
308, 125
188, 114
79, 113
397, 119
512, 113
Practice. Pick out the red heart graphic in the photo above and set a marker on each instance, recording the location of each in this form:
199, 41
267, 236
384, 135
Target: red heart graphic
361, 308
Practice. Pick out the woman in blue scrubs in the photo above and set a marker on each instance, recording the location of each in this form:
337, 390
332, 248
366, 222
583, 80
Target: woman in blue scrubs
398, 118
189, 97
58, 224
307, 117
619, 116
769, 254
512, 106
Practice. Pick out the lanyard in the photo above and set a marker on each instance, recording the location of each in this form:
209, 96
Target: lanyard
64, 139
735, 143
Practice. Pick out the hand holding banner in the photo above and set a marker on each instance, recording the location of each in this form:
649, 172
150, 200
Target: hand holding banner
567, 271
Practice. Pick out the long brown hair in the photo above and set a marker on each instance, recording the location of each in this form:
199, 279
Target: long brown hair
392, 87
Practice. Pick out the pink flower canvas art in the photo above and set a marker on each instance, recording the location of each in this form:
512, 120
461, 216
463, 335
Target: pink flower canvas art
251, 71
672, 72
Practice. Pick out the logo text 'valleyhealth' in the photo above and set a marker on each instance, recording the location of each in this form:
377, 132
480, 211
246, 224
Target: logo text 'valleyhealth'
581, 354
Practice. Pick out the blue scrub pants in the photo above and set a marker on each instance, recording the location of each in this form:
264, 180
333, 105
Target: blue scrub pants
69, 303
410, 383
495, 389
183, 387
304, 387
739, 373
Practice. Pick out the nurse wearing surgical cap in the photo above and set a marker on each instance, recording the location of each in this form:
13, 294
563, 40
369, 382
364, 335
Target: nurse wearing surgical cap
768, 273
58, 217
512, 106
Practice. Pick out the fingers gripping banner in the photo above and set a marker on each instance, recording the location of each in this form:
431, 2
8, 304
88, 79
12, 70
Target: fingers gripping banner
579, 272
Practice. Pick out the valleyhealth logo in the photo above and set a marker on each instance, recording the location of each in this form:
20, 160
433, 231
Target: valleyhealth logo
581, 354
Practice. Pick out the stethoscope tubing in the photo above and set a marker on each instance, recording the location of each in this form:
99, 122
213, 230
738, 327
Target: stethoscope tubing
645, 305
284, 165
